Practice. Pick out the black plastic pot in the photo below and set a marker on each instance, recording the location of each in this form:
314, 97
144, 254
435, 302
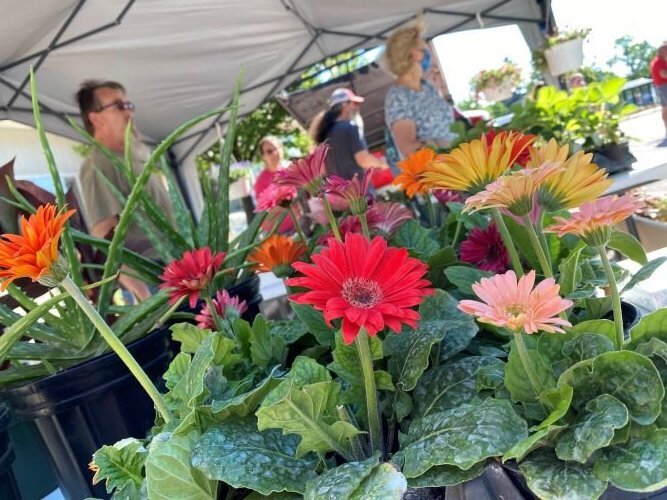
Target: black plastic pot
631, 316
8, 487
89, 405
614, 157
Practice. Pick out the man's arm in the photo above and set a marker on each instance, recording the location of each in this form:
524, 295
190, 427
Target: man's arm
366, 160
138, 288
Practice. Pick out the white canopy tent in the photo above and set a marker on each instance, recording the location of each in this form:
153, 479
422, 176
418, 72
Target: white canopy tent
180, 58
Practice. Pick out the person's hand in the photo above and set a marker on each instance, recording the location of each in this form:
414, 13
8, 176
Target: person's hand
135, 286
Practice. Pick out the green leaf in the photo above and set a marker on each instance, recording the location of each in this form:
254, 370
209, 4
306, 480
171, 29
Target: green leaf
653, 325
437, 263
402, 404
290, 330
189, 335
586, 346
450, 385
536, 440
385, 482
656, 350
644, 273
461, 436
342, 481
416, 238
553, 479
464, 277
445, 475
516, 379
315, 322
593, 429
628, 245
121, 466
236, 453
440, 320
177, 369
570, 273
558, 400
308, 408
169, 473
638, 465
265, 348
628, 376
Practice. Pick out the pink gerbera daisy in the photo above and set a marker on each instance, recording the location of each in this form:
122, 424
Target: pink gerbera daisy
191, 275
353, 191
516, 305
306, 173
594, 220
274, 196
387, 217
366, 283
224, 304
484, 249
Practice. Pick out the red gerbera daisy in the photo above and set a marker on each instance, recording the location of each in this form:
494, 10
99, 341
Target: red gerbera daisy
275, 196
190, 275
484, 249
366, 283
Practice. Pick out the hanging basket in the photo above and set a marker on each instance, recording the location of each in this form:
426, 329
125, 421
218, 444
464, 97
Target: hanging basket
498, 92
240, 188
566, 56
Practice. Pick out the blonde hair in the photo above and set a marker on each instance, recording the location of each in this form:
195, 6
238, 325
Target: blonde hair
271, 139
400, 44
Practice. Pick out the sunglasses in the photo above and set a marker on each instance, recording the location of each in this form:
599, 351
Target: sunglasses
119, 105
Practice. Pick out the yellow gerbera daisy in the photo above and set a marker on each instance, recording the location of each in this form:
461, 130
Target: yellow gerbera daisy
473, 165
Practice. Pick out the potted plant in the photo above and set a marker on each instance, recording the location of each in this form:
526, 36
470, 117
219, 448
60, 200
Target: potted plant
59, 369
587, 118
384, 381
562, 51
497, 84
651, 220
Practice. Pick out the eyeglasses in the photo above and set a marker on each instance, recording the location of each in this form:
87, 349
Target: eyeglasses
119, 105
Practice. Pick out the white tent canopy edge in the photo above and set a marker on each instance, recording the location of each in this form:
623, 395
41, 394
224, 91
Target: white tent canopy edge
180, 59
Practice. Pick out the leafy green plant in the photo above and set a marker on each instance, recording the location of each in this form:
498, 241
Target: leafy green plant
586, 118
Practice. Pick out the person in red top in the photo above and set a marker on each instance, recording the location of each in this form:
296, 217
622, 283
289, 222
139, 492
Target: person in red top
659, 74
271, 151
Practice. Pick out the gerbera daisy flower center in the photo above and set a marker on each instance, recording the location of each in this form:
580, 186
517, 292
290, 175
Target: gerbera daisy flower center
362, 292
516, 309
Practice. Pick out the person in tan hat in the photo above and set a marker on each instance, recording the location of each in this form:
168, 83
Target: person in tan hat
659, 75
338, 126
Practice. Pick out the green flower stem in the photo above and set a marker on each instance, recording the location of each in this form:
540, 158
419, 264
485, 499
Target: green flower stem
355, 442
297, 226
214, 313
431, 209
539, 228
364, 226
332, 219
118, 347
537, 247
527, 362
169, 312
374, 426
615, 297
457, 233
507, 240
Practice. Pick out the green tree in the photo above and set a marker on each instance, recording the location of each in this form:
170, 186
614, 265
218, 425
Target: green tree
636, 56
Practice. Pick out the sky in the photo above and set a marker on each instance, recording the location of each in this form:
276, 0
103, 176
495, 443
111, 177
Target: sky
608, 20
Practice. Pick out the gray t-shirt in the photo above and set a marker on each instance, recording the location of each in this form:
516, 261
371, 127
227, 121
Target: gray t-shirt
345, 140
431, 113
101, 203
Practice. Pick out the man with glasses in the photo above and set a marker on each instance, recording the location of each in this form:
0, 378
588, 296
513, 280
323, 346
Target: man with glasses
106, 112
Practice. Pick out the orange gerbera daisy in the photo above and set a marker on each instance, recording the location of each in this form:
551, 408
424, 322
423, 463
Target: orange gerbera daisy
411, 169
594, 220
474, 164
277, 254
578, 182
34, 253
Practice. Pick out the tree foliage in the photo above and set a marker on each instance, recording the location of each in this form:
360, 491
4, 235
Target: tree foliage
636, 56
